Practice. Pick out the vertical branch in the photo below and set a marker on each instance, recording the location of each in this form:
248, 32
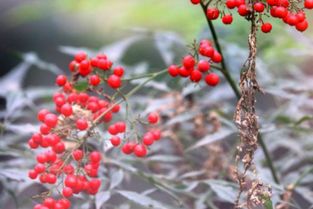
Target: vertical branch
246, 120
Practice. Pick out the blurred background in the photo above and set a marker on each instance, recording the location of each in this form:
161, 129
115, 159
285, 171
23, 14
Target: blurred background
38, 39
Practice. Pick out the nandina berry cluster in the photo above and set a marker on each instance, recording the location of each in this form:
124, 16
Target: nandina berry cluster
197, 69
64, 160
290, 12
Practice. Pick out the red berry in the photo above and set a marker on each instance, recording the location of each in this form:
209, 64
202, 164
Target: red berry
78, 154
203, 66
32, 144
173, 70
128, 148
231, 4
41, 158
84, 68
119, 71
266, 27
95, 157
44, 129
61, 80
188, 62
59, 147
81, 124
67, 110
212, 13
67, 192
227, 19
37, 138
49, 202
212, 79
115, 141
195, 76
32, 174
80, 56
65, 202
70, 181
156, 134
39, 168
51, 120
217, 57
51, 178
113, 130
308, 4
42, 114
73, 65
148, 139
259, 7
94, 80
183, 72
195, 1
120, 126
302, 26
140, 150
153, 117
272, 2
114, 81
243, 10
116, 108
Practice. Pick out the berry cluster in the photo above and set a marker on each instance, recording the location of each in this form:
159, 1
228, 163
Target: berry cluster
197, 69
291, 12
65, 160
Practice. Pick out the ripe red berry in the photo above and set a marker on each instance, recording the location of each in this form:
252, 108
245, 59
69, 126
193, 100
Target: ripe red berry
212, 79
115, 141
231, 4
183, 72
217, 57
308, 4
212, 13
156, 134
80, 56
119, 71
59, 147
128, 148
153, 117
61, 80
140, 150
39, 168
32, 144
114, 81
32, 174
94, 157
148, 139
44, 129
81, 124
259, 7
113, 130
51, 120
302, 26
227, 19
195, 76
243, 10
67, 110
37, 138
78, 154
188, 62
120, 126
49, 202
73, 65
173, 70
41, 158
42, 114
67, 192
203, 66
195, 1
84, 68
51, 178
70, 181
94, 80
65, 203
266, 27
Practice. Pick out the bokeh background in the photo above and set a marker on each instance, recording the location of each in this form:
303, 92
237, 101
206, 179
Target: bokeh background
39, 37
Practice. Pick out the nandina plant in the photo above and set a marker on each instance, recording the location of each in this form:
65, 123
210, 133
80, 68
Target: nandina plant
71, 166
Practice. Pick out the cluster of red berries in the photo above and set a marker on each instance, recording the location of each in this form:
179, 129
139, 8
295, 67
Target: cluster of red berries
291, 12
66, 163
195, 69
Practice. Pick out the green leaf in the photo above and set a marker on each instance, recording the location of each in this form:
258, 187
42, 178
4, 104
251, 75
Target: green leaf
268, 203
81, 86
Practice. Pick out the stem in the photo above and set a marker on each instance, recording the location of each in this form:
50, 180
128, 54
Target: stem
224, 69
234, 87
